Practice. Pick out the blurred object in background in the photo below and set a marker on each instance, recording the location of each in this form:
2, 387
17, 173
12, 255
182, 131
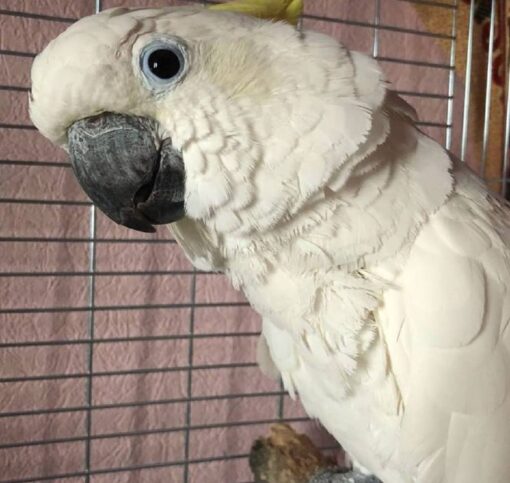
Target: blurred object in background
487, 151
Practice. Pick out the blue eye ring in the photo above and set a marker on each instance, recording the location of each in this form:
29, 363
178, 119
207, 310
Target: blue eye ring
163, 63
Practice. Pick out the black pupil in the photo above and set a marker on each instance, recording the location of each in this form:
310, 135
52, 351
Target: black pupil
164, 64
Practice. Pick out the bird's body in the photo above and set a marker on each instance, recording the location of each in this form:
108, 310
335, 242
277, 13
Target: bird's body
379, 264
389, 337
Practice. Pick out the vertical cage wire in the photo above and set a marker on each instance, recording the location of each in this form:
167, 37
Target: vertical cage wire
488, 90
91, 341
377, 21
469, 72
451, 79
189, 381
90, 333
90, 325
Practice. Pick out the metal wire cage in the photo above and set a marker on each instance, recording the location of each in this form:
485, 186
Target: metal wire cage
119, 362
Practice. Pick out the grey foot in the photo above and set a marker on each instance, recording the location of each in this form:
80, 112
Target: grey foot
334, 476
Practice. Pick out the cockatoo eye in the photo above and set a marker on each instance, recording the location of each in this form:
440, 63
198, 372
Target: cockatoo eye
163, 63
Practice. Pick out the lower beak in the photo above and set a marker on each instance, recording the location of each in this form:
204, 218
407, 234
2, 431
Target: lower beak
130, 175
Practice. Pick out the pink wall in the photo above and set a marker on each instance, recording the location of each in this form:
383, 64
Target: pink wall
24, 228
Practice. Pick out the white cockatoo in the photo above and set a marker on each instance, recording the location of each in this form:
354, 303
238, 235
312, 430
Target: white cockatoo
380, 264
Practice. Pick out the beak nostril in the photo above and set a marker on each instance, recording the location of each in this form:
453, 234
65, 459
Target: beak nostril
94, 122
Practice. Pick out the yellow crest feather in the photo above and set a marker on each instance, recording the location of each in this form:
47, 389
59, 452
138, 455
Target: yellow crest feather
286, 10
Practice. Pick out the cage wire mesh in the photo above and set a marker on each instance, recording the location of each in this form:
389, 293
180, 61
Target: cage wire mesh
119, 362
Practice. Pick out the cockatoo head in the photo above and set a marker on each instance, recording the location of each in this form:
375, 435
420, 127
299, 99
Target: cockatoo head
196, 113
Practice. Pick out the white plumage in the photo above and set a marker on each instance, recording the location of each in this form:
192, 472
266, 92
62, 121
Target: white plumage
380, 266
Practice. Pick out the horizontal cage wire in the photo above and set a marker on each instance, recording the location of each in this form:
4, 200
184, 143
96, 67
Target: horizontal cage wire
118, 361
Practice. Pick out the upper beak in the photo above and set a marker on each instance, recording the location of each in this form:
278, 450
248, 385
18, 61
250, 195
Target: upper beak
130, 175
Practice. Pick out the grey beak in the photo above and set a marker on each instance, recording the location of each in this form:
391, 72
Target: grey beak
130, 175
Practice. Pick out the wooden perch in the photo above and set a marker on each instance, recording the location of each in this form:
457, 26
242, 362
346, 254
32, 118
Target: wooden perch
286, 457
